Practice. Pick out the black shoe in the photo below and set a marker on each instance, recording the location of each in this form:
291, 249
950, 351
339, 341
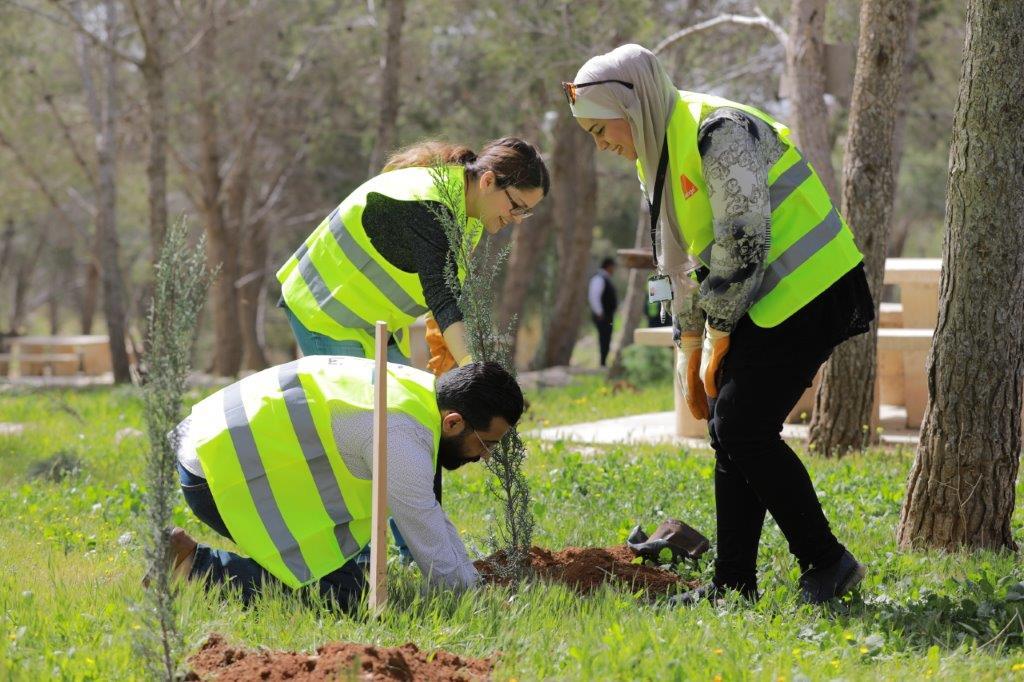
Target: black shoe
708, 592
820, 585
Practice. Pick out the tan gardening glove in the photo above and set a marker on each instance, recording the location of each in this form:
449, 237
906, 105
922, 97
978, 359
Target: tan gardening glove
715, 346
441, 359
688, 371
455, 339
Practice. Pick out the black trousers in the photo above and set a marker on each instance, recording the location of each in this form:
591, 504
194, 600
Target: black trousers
604, 335
762, 377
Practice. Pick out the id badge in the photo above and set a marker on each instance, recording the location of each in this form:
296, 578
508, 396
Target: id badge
659, 288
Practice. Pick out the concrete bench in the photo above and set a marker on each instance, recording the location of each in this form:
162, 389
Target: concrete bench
56, 355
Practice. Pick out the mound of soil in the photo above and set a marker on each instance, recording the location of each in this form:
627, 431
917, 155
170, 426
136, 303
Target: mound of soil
217, 660
586, 568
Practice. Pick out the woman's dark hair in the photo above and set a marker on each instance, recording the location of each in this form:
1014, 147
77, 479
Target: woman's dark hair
515, 162
480, 391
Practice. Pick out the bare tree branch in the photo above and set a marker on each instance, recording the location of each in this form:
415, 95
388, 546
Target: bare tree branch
99, 42
87, 168
760, 19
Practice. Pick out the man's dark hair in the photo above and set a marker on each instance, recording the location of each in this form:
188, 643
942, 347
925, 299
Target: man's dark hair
608, 261
480, 391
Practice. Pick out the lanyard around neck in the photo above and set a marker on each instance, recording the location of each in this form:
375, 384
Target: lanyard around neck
654, 205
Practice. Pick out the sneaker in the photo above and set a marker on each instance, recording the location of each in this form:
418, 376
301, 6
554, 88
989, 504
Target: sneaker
820, 585
707, 592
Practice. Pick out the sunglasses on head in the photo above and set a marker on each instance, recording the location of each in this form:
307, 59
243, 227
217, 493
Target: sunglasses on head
570, 88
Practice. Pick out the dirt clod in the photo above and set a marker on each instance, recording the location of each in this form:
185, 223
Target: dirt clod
220, 661
587, 568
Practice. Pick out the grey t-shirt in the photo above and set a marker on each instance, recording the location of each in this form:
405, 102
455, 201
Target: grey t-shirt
432, 538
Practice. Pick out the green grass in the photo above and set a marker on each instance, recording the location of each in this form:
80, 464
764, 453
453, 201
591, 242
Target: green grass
67, 583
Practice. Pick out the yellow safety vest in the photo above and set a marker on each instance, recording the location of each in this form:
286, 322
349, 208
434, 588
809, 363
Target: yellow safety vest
811, 245
269, 455
339, 285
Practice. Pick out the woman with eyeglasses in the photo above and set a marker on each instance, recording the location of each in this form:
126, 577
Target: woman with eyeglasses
763, 278
382, 253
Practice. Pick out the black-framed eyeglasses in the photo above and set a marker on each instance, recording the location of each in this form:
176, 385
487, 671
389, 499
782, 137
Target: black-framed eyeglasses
517, 210
570, 88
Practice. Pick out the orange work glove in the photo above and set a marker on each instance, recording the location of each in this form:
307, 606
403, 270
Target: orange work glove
688, 372
441, 359
716, 345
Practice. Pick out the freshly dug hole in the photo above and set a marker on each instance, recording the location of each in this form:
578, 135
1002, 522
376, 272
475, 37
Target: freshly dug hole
586, 568
218, 660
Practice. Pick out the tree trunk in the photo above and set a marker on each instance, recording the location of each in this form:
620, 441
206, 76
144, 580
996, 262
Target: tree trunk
961, 488
251, 296
845, 398
528, 242
23, 273
221, 243
805, 63
900, 228
391, 71
575, 202
635, 302
106, 214
156, 164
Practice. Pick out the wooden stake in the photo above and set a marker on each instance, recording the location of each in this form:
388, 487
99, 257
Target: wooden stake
379, 506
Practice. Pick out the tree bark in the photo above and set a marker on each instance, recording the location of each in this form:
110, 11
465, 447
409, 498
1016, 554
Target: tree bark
528, 240
391, 71
843, 418
635, 301
253, 259
221, 242
960, 491
152, 70
574, 186
805, 63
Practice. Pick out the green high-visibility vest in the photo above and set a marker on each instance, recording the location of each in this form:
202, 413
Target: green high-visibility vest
269, 455
811, 245
339, 285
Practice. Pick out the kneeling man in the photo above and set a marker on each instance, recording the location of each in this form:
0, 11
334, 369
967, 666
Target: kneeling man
280, 462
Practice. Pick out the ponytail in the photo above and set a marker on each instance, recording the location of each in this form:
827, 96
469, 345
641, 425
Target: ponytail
515, 162
430, 153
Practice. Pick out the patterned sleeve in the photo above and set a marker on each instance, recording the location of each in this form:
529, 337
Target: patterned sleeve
736, 174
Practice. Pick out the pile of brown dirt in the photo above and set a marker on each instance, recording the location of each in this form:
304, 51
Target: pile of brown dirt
586, 568
217, 660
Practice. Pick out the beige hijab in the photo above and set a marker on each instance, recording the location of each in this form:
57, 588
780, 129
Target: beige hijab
647, 108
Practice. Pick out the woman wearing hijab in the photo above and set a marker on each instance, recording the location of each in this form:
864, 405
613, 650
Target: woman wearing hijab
766, 280
382, 253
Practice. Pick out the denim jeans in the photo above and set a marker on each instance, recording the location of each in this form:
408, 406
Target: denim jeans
315, 343
342, 588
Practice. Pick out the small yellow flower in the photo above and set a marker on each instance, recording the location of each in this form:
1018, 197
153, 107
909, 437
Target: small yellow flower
718, 678
863, 649
796, 653
1017, 667
718, 652
835, 662
848, 636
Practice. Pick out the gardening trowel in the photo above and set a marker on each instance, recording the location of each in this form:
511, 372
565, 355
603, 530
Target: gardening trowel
680, 539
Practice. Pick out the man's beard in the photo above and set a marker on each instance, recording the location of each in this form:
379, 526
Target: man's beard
449, 452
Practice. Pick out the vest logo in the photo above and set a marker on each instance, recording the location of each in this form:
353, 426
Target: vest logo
689, 189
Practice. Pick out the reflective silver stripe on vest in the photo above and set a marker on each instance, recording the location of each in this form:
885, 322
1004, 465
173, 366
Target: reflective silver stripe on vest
331, 306
316, 457
364, 262
259, 487
787, 182
800, 252
778, 192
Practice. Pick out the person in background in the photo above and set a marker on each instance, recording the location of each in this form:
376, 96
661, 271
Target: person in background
603, 302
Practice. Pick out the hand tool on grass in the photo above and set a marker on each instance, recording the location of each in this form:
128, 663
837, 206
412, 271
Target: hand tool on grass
672, 542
